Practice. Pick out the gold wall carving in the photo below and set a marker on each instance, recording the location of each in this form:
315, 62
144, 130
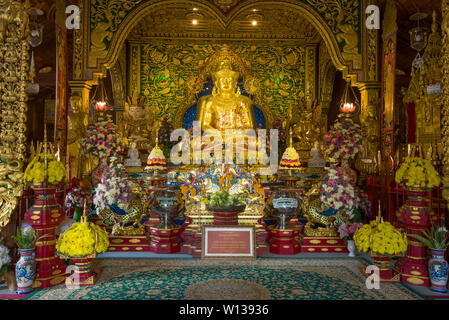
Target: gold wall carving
276, 76
109, 22
427, 106
14, 59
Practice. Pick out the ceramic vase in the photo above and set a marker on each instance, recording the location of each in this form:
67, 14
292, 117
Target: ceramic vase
438, 268
351, 248
25, 271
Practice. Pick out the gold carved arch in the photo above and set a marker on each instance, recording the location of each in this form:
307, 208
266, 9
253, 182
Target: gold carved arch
138, 13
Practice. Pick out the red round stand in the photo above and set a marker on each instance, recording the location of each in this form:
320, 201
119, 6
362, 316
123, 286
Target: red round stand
383, 263
416, 216
166, 240
82, 275
226, 218
44, 216
285, 242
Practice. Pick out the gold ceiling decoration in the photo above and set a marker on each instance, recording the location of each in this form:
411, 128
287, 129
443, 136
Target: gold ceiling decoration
175, 21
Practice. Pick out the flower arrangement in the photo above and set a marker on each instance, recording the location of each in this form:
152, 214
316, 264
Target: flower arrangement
26, 238
114, 187
336, 191
75, 198
347, 230
81, 239
164, 136
103, 139
381, 238
362, 202
35, 171
417, 172
344, 140
5, 259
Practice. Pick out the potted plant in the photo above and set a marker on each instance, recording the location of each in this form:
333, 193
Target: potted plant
383, 241
225, 206
347, 231
437, 240
25, 267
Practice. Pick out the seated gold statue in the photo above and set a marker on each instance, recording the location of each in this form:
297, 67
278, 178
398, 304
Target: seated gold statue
225, 108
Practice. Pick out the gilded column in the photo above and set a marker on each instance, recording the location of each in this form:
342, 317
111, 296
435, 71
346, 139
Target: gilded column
78, 56
14, 62
445, 98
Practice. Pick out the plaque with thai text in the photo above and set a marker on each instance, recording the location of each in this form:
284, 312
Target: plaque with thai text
228, 242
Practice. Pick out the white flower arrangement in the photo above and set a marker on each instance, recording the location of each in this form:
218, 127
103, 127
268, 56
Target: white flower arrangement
5, 259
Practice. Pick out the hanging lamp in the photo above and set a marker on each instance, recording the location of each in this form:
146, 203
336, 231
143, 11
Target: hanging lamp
347, 106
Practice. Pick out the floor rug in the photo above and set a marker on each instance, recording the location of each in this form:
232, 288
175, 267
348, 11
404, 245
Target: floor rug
260, 279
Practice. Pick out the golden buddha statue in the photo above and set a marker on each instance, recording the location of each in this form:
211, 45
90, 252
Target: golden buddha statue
225, 108
304, 120
77, 128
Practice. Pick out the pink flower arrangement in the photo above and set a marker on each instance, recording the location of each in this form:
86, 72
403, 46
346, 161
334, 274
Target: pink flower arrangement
103, 139
75, 198
336, 191
344, 140
347, 231
363, 202
114, 187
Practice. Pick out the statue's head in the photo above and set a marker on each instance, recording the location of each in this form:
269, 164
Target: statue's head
225, 78
75, 103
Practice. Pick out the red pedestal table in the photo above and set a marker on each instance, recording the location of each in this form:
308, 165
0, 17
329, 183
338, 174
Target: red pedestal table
166, 240
285, 241
416, 215
44, 216
82, 275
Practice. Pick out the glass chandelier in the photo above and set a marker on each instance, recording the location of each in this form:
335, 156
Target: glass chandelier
418, 38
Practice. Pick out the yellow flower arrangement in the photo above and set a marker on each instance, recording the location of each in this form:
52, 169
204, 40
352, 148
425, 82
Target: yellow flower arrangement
56, 172
81, 239
417, 172
381, 238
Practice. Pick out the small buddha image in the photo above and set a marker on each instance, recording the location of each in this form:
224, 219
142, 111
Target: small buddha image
133, 156
225, 108
316, 161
